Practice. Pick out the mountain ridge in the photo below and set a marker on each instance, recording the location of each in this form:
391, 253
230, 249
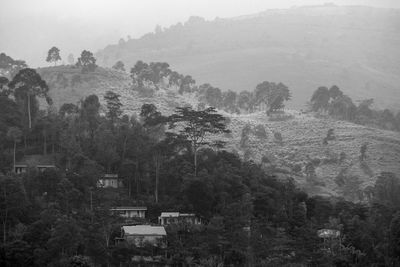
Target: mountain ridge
355, 48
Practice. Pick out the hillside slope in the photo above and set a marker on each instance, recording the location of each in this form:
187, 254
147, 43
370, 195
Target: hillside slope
302, 134
355, 48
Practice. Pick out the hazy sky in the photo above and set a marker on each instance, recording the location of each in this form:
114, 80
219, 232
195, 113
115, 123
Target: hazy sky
28, 28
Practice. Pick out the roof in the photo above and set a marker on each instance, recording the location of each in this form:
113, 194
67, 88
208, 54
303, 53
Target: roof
35, 160
110, 175
144, 230
176, 214
169, 214
129, 208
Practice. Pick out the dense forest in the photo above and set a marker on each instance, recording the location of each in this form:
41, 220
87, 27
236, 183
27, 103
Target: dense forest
59, 217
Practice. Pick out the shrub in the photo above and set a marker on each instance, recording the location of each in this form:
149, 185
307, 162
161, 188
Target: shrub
145, 92
296, 168
278, 137
260, 132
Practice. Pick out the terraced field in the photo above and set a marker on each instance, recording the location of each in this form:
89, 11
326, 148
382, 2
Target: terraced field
339, 172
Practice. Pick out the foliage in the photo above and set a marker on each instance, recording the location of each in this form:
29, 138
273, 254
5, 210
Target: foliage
86, 61
272, 95
119, 65
53, 55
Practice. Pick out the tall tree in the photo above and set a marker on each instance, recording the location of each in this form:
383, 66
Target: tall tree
87, 61
320, 99
195, 126
53, 55
28, 84
14, 134
272, 95
113, 106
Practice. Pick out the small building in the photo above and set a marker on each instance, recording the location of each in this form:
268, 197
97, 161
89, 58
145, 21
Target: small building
130, 212
142, 235
39, 162
167, 218
109, 181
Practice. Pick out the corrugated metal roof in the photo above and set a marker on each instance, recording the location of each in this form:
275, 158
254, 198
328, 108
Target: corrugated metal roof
110, 175
169, 214
144, 230
129, 208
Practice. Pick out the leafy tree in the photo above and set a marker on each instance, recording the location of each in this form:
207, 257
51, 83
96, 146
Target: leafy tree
245, 101
335, 92
213, 95
387, 189
330, 135
113, 106
320, 99
272, 95
195, 126
9, 66
28, 84
229, 101
119, 65
106, 152
68, 109
363, 151
12, 202
87, 61
53, 55
90, 116
342, 107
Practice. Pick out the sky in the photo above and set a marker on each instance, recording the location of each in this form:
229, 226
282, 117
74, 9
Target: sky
29, 28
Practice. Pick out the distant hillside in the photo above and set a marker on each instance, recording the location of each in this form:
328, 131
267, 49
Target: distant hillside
356, 48
302, 134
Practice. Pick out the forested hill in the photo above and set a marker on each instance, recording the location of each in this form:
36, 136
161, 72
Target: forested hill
326, 169
353, 47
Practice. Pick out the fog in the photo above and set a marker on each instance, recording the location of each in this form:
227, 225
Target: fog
29, 28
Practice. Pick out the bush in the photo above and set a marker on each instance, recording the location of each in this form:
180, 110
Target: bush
296, 168
278, 137
260, 132
145, 92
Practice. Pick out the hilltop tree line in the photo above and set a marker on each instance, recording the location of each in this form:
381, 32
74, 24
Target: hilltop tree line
60, 218
336, 104
268, 96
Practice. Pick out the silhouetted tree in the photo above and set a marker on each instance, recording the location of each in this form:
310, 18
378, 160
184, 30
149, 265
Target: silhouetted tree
53, 55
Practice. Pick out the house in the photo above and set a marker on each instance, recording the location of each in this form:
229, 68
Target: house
130, 212
109, 181
142, 235
167, 218
39, 162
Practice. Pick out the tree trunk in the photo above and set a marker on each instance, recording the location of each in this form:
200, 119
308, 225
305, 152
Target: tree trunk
124, 148
29, 111
137, 178
15, 148
157, 165
25, 145
195, 160
44, 143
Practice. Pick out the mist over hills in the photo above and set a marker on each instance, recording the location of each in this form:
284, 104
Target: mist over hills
353, 47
